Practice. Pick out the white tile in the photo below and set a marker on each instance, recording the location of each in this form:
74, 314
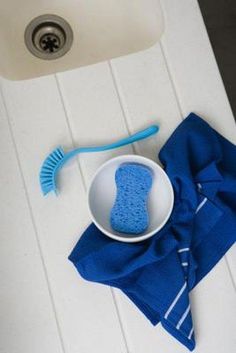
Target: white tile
39, 124
26, 312
147, 97
94, 113
214, 309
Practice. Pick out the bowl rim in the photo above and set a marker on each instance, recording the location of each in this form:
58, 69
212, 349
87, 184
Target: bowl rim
139, 237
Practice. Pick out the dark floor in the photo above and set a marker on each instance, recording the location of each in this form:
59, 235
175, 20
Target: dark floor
220, 20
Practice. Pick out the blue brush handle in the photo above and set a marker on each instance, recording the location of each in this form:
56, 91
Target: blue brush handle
153, 129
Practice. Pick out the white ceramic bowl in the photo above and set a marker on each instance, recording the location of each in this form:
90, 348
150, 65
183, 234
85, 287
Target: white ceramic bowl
102, 194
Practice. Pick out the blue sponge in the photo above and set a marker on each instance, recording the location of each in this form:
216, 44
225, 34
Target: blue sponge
129, 213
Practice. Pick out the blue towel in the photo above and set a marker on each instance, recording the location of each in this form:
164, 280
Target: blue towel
158, 274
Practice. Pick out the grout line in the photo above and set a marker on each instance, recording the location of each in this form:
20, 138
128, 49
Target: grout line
33, 220
121, 103
120, 320
69, 128
230, 272
171, 80
85, 188
225, 257
115, 83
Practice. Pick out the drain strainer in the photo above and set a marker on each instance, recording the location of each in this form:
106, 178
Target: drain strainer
48, 37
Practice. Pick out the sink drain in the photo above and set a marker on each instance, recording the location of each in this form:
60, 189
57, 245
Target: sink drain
48, 37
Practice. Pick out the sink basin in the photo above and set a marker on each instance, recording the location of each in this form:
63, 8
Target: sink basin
99, 30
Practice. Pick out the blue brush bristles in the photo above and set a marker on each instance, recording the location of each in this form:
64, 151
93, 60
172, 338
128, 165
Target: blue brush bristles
130, 213
48, 170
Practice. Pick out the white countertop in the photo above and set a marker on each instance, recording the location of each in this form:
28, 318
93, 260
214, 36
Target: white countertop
44, 305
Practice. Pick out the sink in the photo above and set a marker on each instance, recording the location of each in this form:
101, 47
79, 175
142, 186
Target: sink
89, 31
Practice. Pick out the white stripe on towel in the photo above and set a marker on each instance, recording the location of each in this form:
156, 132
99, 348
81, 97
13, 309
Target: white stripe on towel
199, 186
190, 334
201, 205
183, 250
184, 264
183, 317
175, 300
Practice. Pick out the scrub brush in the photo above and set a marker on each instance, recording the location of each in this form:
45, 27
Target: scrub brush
55, 161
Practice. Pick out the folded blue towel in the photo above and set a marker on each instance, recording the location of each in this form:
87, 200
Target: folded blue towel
157, 274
